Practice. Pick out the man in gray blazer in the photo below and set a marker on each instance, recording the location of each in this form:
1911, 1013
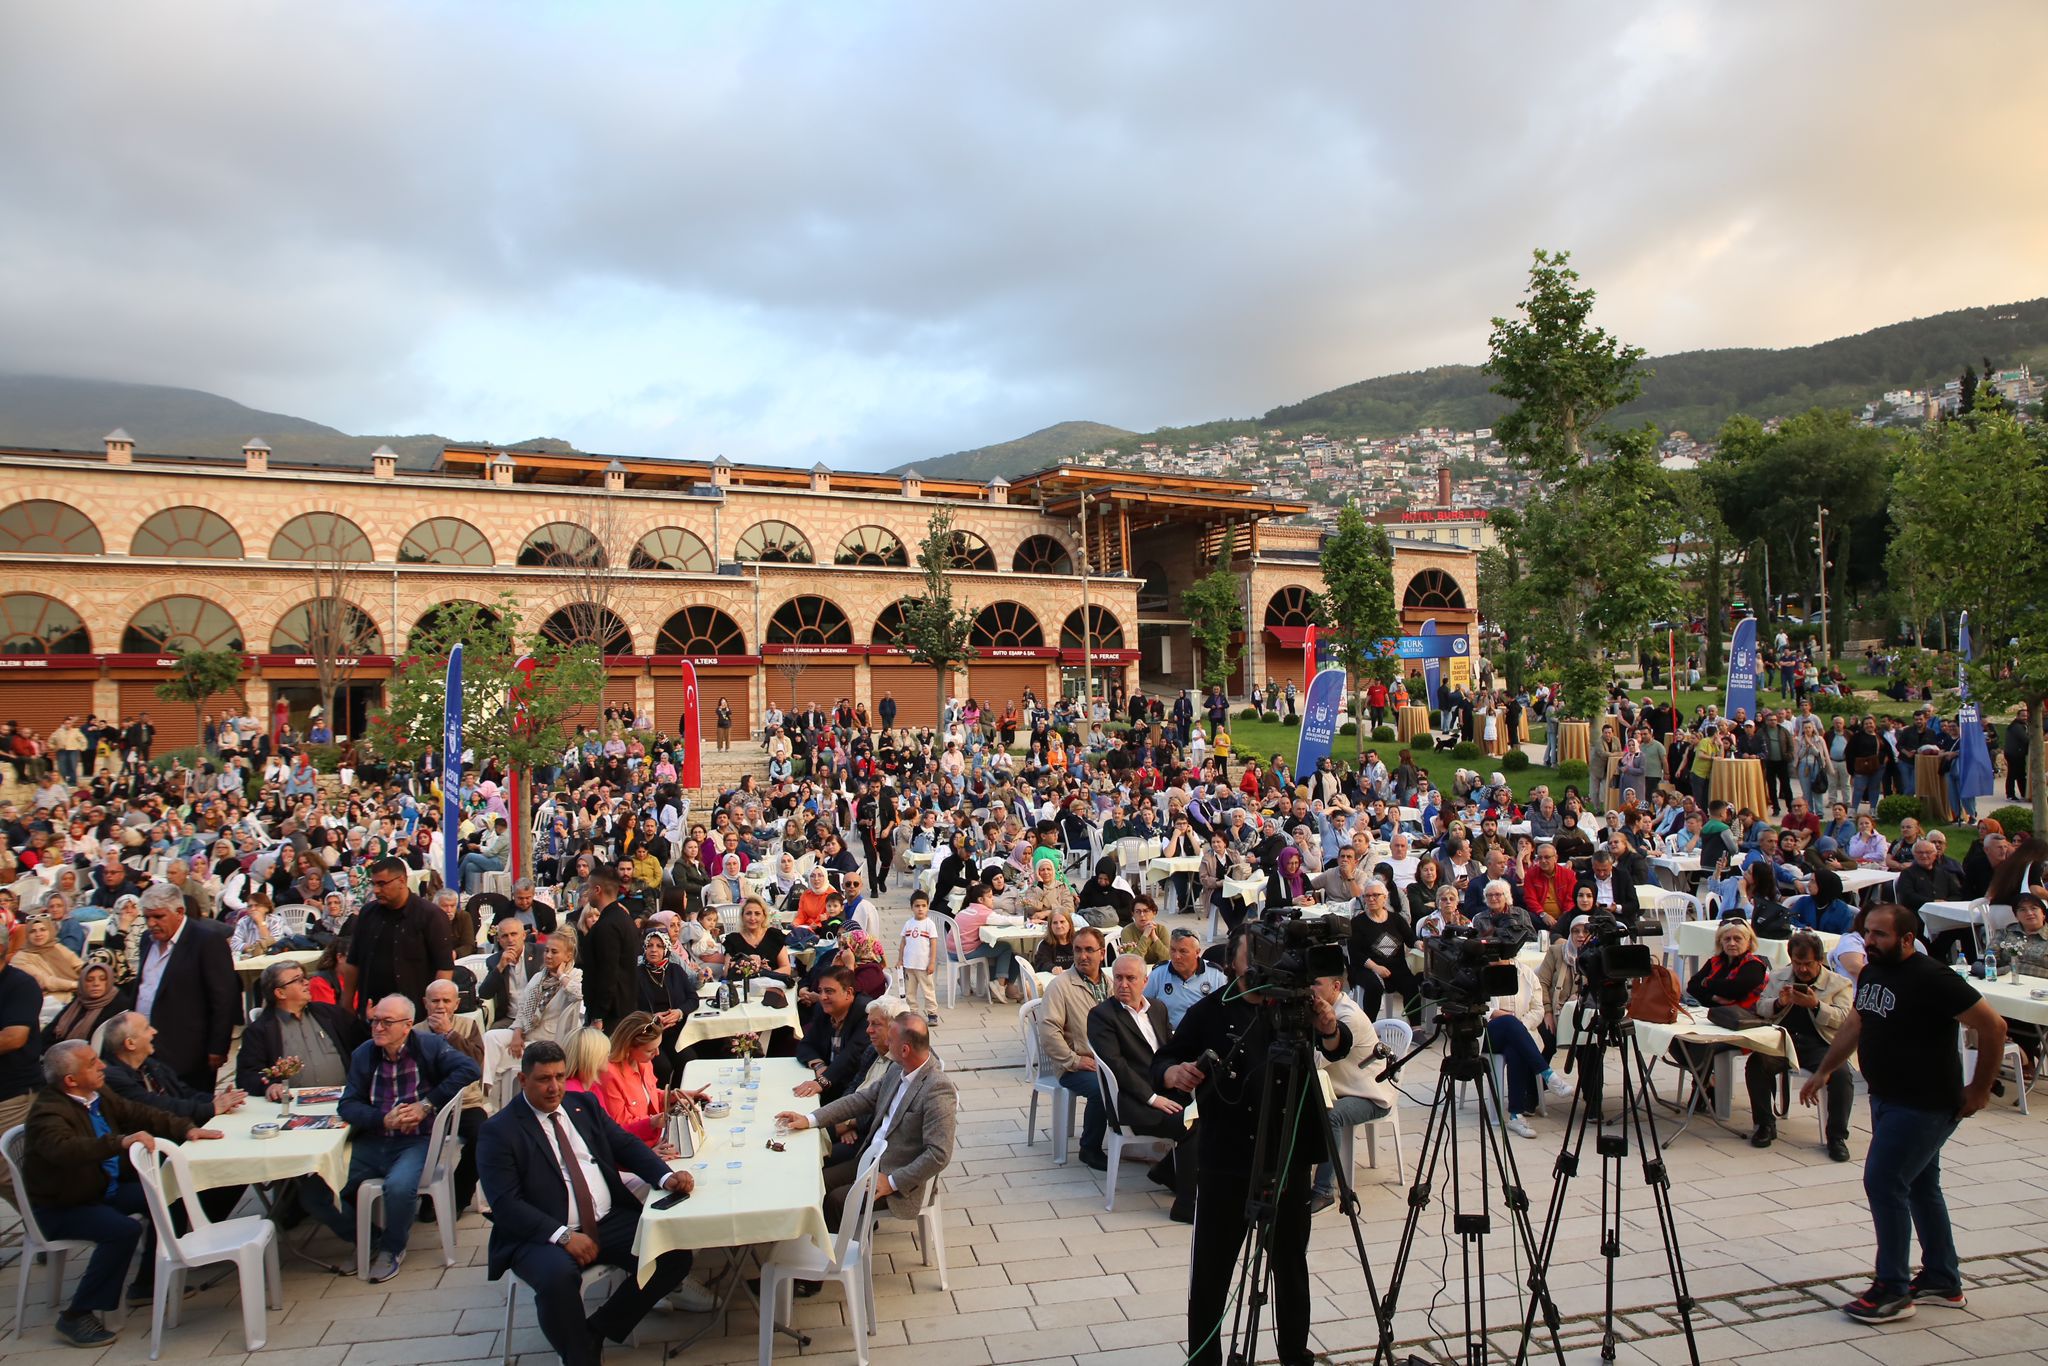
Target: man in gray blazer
908, 1110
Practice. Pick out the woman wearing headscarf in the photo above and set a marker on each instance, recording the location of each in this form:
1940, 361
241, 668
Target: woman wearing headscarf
668, 993
98, 1000
861, 952
54, 967
1286, 885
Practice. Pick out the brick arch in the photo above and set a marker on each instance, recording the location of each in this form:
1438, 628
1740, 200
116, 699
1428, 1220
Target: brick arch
123, 519
108, 619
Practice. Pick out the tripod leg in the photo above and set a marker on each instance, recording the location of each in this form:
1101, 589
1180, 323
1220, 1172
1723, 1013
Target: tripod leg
1658, 1178
1435, 1134
1566, 1167
1318, 1112
1517, 1200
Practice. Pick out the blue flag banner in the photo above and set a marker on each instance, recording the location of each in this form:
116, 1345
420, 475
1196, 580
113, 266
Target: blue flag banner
1974, 773
1321, 714
1963, 648
451, 773
1741, 672
1432, 665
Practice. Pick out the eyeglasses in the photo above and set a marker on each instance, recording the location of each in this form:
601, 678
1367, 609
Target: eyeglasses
398, 1021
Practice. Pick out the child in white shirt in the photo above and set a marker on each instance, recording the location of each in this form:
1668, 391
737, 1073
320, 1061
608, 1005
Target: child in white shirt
920, 955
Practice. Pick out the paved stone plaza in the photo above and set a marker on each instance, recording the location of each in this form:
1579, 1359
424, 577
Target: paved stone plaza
1039, 1272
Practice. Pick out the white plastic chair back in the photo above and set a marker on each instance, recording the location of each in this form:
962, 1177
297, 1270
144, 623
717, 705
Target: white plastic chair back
444, 1149
1028, 1017
1397, 1035
14, 1146
297, 916
857, 1214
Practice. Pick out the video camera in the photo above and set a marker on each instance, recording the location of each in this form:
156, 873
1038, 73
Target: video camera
1609, 959
1464, 967
1288, 951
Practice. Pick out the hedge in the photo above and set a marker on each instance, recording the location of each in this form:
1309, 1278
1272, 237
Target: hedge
2015, 820
1383, 734
1467, 749
1271, 718
1248, 714
1514, 761
1348, 728
1291, 721
1572, 771
1895, 808
1827, 704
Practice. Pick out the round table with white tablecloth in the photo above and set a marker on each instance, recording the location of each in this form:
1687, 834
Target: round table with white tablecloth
752, 1017
238, 1159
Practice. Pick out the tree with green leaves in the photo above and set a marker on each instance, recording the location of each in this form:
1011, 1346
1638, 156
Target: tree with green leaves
937, 633
567, 680
198, 675
1358, 601
1214, 607
1710, 557
1588, 543
1500, 575
1962, 554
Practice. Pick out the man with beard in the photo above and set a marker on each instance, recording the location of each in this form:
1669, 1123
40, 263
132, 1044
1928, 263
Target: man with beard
1903, 1030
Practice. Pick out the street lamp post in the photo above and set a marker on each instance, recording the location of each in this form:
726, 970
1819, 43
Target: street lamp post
1821, 543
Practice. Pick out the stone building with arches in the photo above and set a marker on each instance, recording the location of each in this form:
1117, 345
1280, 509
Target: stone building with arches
776, 584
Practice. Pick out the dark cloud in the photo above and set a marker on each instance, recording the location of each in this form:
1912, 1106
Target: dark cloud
870, 233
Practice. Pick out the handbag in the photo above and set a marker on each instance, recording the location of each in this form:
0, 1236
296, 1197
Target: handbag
1869, 766
1655, 998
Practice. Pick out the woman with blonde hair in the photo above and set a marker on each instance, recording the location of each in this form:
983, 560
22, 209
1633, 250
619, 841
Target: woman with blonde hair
627, 1085
589, 1050
551, 1008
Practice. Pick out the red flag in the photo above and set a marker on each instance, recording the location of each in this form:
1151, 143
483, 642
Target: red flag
1308, 650
693, 739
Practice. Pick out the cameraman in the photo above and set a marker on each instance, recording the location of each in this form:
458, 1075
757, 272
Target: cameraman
1236, 1025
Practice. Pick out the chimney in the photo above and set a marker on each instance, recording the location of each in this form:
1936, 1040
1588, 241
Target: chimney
999, 490
384, 463
1443, 486
913, 484
721, 473
501, 468
256, 455
614, 477
821, 478
120, 447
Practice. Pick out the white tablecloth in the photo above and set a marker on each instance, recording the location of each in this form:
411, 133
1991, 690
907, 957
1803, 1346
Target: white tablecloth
237, 1158
1696, 941
2016, 1002
1692, 1027
751, 1018
1160, 869
1022, 938
745, 1193
252, 968
1857, 879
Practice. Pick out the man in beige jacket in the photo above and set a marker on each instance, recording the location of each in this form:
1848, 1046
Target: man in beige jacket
1063, 1037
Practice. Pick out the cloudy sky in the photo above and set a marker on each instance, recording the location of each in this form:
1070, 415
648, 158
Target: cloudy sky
871, 232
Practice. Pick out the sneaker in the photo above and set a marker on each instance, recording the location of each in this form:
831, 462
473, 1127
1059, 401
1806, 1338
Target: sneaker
1875, 1306
1519, 1127
384, 1265
84, 1330
692, 1298
1558, 1085
931, 1017
1939, 1299
1320, 1202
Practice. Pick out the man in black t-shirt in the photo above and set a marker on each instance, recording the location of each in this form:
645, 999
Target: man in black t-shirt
21, 1048
1904, 1028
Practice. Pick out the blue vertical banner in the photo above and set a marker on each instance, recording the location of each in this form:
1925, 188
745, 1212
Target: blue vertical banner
1321, 713
1741, 694
451, 774
1432, 665
1975, 774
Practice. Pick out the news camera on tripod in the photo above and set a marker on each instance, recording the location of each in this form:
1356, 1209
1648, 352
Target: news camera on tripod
1247, 1052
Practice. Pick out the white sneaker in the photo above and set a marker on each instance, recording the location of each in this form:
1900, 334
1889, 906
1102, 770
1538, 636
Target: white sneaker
1519, 1127
1558, 1085
692, 1298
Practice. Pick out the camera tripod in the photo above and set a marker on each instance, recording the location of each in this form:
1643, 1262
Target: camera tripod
1290, 1106
1600, 1028
1465, 1072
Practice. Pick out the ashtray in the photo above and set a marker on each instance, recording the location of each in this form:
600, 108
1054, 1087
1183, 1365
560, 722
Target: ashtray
264, 1130
716, 1109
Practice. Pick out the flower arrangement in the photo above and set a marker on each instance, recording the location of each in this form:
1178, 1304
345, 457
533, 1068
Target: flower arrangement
746, 1045
284, 1069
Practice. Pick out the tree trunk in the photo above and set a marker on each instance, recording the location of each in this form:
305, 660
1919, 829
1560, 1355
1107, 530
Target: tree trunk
2037, 763
939, 684
522, 819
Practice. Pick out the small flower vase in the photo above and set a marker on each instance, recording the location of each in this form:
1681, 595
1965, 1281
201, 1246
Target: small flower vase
284, 1107
746, 1067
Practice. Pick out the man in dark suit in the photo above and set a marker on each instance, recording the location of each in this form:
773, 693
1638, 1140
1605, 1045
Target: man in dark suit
607, 953
186, 986
517, 962
1125, 1031
1612, 887
835, 1045
550, 1164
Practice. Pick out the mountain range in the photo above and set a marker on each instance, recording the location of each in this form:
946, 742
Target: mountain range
1693, 391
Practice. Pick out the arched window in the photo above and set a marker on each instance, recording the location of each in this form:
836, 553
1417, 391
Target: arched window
1291, 606
871, 545
969, 551
1105, 633
178, 623
700, 631
43, 526
32, 624
773, 543
588, 623
889, 625
432, 619
809, 621
327, 626
187, 533
445, 540
1432, 589
1042, 555
1006, 626
562, 545
671, 547
326, 536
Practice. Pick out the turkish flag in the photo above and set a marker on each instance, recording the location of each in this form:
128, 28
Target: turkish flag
693, 736
1308, 650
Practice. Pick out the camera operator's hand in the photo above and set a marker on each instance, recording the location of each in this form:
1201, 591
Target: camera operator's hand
1185, 1076
1165, 1105
1325, 1018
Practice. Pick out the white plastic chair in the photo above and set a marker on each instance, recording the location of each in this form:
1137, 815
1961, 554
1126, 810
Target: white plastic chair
2012, 1068
250, 1242
298, 915
592, 1275
931, 1230
798, 1259
437, 1179
34, 1243
1059, 1099
958, 971
1117, 1136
